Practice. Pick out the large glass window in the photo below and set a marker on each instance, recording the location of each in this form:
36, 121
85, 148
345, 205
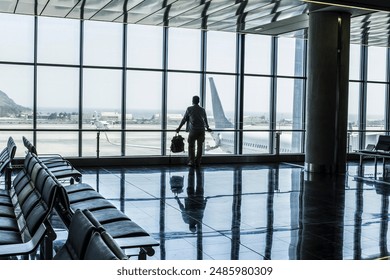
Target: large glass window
48, 143
256, 115
17, 83
290, 57
59, 100
221, 114
377, 64
354, 62
257, 54
58, 97
58, 36
143, 112
376, 97
16, 106
375, 119
102, 110
221, 51
184, 49
103, 43
353, 116
289, 115
144, 46
181, 89
17, 38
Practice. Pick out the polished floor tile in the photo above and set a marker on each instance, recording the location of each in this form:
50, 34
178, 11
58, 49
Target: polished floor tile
252, 212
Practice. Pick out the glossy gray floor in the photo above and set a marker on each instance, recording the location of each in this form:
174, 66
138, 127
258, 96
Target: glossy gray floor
254, 212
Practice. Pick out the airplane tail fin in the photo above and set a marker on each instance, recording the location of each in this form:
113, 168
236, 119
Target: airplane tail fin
219, 115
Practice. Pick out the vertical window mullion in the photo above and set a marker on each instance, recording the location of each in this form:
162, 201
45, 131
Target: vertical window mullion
274, 63
363, 96
124, 88
240, 58
164, 92
304, 96
203, 59
81, 75
387, 97
35, 94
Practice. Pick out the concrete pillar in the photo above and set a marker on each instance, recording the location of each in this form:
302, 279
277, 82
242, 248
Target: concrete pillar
327, 92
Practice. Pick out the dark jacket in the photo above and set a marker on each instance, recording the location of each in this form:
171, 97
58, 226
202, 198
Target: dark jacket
196, 119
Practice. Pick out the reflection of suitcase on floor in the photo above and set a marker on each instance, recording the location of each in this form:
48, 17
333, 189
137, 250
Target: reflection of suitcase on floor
177, 144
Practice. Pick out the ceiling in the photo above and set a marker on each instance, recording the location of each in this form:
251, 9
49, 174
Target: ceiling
370, 22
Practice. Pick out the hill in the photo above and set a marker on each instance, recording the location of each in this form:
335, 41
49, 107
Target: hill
8, 108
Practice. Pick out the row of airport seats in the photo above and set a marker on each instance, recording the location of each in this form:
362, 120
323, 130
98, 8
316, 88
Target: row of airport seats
24, 211
128, 234
112, 224
24, 221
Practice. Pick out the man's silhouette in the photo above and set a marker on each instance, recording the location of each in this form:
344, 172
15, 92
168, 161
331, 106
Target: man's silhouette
196, 119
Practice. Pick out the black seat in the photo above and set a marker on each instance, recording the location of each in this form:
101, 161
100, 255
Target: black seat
103, 247
383, 143
59, 166
6, 157
88, 240
79, 234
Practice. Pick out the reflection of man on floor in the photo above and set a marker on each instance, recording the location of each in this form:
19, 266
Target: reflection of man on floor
193, 209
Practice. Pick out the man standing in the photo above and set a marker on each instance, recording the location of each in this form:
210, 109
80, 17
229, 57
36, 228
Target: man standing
196, 119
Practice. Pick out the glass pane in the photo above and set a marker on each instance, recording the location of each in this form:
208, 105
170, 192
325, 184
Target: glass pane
289, 114
90, 144
257, 54
144, 46
256, 102
16, 92
353, 115
290, 56
184, 49
104, 143
144, 92
103, 43
102, 90
377, 63
354, 62
221, 113
102, 110
17, 83
58, 97
58, 40
49, 143
256, 142
181, 89
17, 38
256, 114
376, 96
221, 51
144, 143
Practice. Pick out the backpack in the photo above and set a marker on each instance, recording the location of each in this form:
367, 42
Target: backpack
177, 144
177, 184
